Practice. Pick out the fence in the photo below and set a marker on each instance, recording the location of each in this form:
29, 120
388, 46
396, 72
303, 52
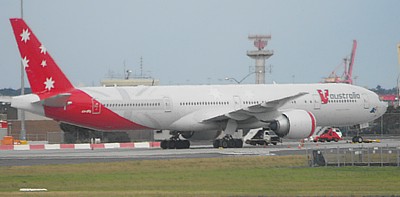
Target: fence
360, 156
55, 137
32, 137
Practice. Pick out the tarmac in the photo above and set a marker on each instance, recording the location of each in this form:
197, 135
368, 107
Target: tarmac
21, 155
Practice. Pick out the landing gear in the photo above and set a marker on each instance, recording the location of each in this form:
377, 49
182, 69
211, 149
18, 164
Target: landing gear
175, 142
228, 142
357, 139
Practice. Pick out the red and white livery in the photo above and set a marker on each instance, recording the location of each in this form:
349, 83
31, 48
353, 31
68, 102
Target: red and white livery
291, 110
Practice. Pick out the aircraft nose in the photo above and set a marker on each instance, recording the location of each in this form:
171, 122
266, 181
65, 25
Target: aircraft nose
382, 108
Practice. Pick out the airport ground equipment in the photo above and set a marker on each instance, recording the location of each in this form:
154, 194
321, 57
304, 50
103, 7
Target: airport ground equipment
332, 134
359, 139
264, 137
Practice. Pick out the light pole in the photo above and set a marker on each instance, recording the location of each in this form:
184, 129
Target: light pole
239, 82
398, 76
398, 90
23, 131
128, 74
9, 131
232, 79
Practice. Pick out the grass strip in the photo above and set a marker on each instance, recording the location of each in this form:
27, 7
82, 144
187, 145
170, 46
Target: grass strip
230, 176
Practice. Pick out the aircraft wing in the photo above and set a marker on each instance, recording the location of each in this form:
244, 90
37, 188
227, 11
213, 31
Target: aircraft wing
257, 111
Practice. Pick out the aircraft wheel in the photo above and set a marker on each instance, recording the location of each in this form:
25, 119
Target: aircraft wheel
172, 144
238, 143
186, 144
224, 143
360, 139
231, 143
216, 143
179, 144
164, 144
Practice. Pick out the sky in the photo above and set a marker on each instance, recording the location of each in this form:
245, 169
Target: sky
203, 42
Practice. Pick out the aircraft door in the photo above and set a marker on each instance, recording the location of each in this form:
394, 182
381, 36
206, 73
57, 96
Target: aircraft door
317, 101
237, 102
167, 104
96, 106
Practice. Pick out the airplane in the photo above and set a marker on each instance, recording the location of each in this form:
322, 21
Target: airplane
291, 110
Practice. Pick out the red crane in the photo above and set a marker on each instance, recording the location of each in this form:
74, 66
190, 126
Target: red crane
348, 72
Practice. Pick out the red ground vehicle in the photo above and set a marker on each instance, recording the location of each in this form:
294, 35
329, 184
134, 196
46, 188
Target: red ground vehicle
331, 134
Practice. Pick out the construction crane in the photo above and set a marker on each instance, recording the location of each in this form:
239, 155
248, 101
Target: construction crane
348, 65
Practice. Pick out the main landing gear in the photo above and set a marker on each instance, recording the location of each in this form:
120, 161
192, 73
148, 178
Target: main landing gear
175, 142
228, 142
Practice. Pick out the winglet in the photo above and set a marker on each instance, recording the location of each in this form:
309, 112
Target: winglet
45, 77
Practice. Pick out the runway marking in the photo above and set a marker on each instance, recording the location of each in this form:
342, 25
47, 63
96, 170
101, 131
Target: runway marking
111, 145
129, 145
142, 145
82, 146
52, 146
22, 147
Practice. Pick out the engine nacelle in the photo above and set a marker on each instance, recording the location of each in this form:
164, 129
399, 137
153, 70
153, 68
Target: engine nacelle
294, 124
187, 134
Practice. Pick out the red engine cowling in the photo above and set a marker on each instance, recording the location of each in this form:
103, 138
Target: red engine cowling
294, 124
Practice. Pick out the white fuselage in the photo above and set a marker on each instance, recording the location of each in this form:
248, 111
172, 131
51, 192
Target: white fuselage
163, 107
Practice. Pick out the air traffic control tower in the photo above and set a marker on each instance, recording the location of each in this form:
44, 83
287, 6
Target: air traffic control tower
260, 55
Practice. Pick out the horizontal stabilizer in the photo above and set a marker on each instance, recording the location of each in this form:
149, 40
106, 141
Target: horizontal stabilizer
59, 100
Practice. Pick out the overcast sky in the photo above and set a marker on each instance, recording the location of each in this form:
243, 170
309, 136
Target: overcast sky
202, 42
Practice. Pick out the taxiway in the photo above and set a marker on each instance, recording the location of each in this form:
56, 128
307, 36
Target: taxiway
44, 157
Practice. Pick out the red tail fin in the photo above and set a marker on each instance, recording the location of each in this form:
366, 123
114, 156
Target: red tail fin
45, 77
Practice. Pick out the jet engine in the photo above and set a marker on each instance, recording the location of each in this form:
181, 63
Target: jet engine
295, 124
187, 134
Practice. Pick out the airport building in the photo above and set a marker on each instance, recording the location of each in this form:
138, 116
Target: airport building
391, 99
130, 82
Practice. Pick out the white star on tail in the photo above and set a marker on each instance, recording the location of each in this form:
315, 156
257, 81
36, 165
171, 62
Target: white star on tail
44, 63
25, 62
43, 49
49, 83
25, 35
